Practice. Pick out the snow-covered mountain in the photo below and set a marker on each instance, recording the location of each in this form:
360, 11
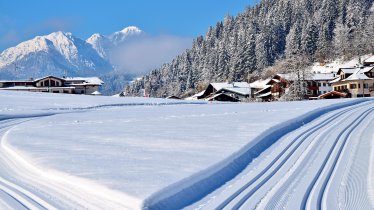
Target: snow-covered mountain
58, 53
61, 53
104, 45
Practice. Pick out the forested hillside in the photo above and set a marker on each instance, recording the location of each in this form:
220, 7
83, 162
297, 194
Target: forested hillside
272, 30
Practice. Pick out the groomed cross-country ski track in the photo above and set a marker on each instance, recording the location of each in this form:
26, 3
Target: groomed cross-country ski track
324, 160
326, 164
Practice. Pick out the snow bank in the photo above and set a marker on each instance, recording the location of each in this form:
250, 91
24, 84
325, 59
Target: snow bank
195, 187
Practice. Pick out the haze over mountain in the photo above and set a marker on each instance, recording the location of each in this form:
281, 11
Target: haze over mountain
105, 44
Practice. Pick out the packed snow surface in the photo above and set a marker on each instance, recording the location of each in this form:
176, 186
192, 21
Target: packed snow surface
67, 151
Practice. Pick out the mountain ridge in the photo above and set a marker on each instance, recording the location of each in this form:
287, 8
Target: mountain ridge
60, 53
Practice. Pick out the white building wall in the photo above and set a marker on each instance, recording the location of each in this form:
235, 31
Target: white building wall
324, 86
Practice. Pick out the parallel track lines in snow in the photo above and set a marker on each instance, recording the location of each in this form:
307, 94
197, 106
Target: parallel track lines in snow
298, 141
343, 136
242, 195
19, 194
282, 191
18, 198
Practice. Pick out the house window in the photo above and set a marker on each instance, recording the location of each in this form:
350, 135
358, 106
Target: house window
46, 83
359, 85
319, 92
53, 83
366, 86
353, 86
335, 88
319, 84
324, 84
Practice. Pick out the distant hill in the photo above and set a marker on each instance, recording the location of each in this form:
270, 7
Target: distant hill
253, 40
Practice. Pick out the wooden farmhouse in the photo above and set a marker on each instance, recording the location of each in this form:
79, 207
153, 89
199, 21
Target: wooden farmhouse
272, 88
52, 84
234, 92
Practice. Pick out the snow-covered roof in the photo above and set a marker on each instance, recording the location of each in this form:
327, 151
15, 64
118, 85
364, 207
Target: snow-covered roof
263, 89
332, 93
335, 80
194, 97
264, 95
219, 86
219, 94
348, 70
239, 90
87, 80
41, 78
370, 60
259, 84
326, 76
359, 74
276, 80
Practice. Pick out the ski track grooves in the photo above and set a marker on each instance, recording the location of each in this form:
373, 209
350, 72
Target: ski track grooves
192, 189
346, 131
238, 198
19, 194
300, 139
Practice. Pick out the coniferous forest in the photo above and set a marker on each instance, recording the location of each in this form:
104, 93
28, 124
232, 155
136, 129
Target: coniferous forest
241, 47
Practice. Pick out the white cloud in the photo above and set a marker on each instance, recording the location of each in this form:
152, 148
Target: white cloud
146, 53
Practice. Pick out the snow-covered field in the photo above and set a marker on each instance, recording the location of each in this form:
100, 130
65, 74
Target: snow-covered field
84, 152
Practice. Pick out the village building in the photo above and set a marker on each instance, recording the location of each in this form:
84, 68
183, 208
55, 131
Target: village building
356, 81
257, 86
273, 89
52, 84
320, 84
234, 92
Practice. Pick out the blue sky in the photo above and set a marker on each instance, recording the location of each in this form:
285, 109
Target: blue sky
24, 19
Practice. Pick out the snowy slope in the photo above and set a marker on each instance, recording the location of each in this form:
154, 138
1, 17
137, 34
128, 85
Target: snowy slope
52, 54
118, 153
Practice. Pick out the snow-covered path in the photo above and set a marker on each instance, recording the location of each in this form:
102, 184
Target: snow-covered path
323, 165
